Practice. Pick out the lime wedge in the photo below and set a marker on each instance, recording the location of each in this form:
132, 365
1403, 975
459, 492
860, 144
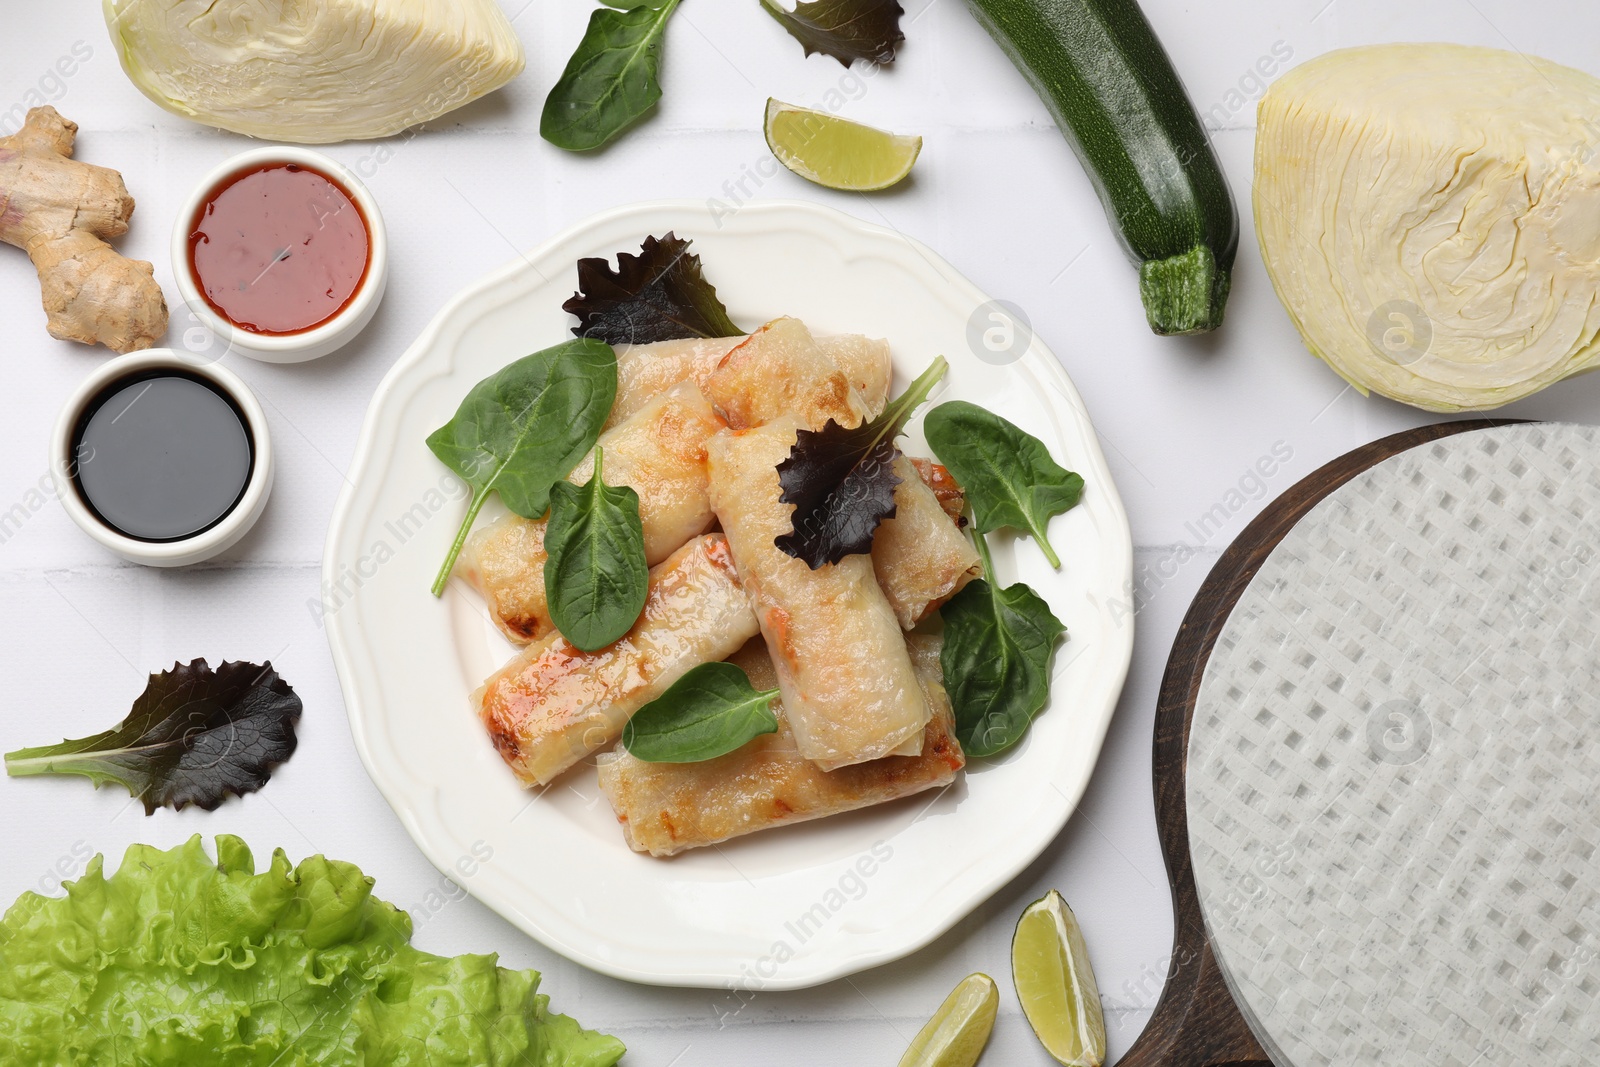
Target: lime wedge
956, 1034
836, 152
1050, 966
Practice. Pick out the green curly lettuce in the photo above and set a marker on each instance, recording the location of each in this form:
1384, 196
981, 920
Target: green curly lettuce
177, 959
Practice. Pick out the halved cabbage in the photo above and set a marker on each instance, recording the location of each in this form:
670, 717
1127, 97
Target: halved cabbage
314, 71
1430, 216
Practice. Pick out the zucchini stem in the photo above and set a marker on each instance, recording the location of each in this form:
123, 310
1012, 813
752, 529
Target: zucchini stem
1184, 293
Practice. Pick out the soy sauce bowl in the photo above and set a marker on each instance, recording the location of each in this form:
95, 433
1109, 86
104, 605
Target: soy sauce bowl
318, 340
68, 460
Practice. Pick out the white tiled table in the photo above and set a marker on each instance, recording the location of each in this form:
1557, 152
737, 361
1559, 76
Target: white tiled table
997, 191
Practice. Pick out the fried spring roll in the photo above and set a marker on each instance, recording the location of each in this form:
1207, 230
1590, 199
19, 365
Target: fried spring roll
665, 808
920, 556
660, 452
554, 704
781, 370
865, 361
646, 371
504, 561
841, 660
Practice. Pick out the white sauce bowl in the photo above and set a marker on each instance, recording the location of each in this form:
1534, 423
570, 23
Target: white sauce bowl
320, 340
205, 544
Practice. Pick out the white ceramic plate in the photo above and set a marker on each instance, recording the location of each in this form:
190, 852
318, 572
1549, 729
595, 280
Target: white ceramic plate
778, 910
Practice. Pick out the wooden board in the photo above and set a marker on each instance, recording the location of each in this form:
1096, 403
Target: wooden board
1196, 1023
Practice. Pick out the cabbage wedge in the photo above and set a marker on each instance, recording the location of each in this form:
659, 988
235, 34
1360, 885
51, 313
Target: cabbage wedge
314, 71
1430, 217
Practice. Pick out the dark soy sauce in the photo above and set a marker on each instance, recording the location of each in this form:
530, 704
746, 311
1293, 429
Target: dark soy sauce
162, 455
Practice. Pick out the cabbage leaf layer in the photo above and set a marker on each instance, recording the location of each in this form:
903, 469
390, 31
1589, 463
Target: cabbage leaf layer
314, 71
1430, 217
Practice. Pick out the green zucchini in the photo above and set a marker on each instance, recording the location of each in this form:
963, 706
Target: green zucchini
1111, 88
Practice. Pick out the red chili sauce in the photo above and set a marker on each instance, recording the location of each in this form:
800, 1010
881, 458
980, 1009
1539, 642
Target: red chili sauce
279, 250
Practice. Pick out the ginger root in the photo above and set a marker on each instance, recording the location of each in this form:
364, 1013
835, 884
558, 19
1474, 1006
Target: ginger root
60, 212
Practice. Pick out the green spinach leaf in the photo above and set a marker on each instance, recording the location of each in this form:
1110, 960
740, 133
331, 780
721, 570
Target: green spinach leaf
595, 575
707, 713
842, 482
610, 81
847, 30
996, 659
1008, 474
192, 737
522, 429
658, 295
